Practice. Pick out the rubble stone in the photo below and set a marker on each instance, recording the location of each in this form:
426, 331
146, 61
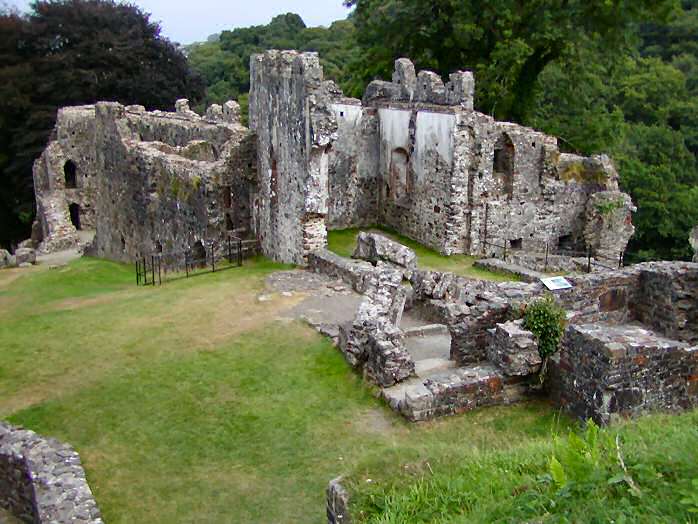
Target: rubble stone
609, 371
25, 255
42, 480
514, 350
374, 247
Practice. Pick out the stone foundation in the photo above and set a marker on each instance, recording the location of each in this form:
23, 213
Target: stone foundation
42, 480
610, 371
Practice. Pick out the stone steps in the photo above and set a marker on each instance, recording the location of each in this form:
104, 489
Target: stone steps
453, 390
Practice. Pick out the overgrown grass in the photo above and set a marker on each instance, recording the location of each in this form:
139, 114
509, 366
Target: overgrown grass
572, 479
193, 402
343, 243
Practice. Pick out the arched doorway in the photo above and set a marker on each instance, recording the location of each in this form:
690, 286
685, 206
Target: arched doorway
399, 180
70, 170
503, 164
74, 210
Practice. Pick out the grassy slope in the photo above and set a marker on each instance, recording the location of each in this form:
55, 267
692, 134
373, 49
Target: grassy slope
191, 403
343, 242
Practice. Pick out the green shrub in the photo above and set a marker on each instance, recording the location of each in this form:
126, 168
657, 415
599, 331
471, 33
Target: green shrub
546, 320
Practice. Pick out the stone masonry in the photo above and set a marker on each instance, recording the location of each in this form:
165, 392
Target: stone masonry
412, 155
42, 480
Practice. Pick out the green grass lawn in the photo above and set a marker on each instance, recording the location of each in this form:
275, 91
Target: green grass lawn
343, 243
193, 402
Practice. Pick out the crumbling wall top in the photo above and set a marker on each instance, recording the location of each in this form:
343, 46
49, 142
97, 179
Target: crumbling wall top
425, 87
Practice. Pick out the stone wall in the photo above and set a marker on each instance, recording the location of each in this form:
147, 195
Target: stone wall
608, 371
42, 480
65, 181
291, 114
146, 181
373, 342
415, 156
353, 161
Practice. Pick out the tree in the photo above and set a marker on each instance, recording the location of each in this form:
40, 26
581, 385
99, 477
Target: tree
225, 63
71, 52
507, 43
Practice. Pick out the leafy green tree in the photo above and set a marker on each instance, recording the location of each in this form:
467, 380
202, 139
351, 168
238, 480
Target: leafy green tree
69, 52
507, 43
225, 62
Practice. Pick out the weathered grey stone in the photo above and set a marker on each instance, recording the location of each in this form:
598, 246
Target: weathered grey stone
6, 259
501, 266
42, 480
374, 247
609, 225
514, 350
146, 181
337, 503
609, 371
25, 255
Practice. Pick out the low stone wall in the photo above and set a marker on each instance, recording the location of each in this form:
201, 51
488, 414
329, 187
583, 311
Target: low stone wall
608, 371
520, 271
668, 299
552, 263
373, 341
460, 390
42, 480
514, 350
374, 248
337, 503
353, 272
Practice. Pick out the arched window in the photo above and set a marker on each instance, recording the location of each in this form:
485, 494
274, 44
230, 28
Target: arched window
74, 210
503, 164
158, 246
70, 170
399, 185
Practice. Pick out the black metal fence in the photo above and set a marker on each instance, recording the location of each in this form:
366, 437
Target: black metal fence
211, 256
505, 249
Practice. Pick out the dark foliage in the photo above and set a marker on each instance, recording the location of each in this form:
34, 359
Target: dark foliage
74, 52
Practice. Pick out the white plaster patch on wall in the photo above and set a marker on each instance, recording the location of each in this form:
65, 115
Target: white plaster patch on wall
347, 114
434, 133
395, 131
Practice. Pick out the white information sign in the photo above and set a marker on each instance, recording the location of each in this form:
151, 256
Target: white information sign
556, 283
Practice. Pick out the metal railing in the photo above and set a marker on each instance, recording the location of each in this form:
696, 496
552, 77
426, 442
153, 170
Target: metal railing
155, 268
505, 249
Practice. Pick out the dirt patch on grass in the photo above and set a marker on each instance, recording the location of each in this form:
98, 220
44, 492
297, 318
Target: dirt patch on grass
7, 276
377, 421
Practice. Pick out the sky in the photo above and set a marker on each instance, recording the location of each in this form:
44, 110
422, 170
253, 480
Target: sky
187, 21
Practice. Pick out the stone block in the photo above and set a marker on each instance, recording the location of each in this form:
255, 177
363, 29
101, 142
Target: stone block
6, 259
514, 350
375, 247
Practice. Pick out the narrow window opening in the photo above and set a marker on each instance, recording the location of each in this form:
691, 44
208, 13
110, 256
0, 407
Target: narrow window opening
274, 181
70, 170
516, 244
74, 210
503, 164
227, 197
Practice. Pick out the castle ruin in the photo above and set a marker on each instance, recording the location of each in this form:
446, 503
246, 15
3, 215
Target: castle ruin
413, 155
